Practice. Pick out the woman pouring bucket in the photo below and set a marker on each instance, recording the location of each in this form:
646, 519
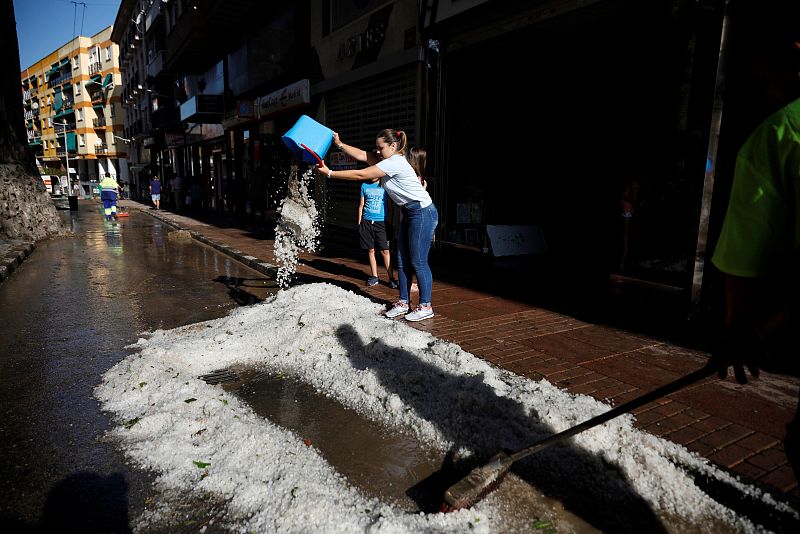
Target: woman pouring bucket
388, 163
420, 217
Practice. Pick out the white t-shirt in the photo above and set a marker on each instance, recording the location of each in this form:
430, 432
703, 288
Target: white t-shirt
401, 182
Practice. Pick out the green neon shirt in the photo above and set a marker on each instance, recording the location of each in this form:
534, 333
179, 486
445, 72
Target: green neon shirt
761, 230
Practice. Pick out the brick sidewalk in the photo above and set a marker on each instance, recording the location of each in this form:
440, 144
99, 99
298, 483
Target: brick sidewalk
740, 428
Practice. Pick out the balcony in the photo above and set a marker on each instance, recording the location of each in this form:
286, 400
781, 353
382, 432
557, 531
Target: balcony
156, 64
96, 97
59, 130
95, 67
99, 123
165, 116
59, 80
101, 149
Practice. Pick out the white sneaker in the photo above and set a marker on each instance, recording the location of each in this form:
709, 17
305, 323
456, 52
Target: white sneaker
399, 308
420, 313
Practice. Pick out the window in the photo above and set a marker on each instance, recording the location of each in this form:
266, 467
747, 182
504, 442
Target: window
108, 53
82, 139
77, 88
79, 115
76, 62
49, 122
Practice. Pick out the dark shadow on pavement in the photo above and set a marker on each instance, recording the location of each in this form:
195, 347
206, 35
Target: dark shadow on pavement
87, 503
332, 267
237, 288
470, 414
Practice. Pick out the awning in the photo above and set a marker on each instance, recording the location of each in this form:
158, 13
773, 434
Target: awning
71, 141
107, 80
65, 61
98, 105
34, 143
58, 101
63, 112
95, 78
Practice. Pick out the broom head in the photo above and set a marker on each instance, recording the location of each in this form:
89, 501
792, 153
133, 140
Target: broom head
477, 484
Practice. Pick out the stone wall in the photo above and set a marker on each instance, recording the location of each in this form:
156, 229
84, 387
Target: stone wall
26, 210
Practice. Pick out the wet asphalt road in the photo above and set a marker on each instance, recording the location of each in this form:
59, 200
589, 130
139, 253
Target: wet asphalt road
66, 316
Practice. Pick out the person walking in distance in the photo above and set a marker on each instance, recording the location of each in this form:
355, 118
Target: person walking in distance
758, 250
155, 191
419, 215
372, 229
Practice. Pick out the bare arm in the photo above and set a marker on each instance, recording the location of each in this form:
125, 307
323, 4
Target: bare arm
360, 209
368, 174
354, 152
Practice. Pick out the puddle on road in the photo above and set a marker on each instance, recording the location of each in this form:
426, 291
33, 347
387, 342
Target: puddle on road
380, 461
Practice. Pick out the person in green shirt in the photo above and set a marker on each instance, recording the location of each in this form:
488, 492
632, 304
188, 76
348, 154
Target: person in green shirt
758, 245
758, 250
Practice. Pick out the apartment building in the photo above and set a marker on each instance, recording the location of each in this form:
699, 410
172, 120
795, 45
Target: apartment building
72, 111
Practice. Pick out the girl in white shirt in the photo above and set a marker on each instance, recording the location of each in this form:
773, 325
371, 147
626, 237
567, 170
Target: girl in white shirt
420, 217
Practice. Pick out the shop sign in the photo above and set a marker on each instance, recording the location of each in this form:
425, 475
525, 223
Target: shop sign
202, 109
341, 161
244, 112
172, 139
245, 109
291, 96
370, 39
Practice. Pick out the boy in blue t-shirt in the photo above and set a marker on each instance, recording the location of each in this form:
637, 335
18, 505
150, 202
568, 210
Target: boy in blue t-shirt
372, 229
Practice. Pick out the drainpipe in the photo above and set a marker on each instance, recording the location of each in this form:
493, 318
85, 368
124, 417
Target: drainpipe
711, 164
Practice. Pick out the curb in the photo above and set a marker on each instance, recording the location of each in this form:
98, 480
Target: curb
250, 261
13, 258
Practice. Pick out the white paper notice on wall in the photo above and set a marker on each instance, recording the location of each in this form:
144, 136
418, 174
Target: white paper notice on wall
516, 240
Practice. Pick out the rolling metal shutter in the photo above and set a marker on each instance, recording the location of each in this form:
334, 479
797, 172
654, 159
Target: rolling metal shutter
359, 112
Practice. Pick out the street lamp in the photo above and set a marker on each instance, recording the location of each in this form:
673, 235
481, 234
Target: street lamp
66, 154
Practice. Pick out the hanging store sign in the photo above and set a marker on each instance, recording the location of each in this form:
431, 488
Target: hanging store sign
205, 109
291, 96
245, 112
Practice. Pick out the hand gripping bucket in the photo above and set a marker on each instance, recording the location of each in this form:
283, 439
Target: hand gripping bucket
309, 139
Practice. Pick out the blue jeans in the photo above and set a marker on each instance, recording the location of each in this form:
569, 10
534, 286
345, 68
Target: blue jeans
414, 243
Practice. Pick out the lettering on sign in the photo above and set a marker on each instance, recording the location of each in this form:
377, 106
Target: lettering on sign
371, 38
290, 96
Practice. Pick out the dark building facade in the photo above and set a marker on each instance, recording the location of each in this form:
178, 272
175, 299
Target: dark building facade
535, 115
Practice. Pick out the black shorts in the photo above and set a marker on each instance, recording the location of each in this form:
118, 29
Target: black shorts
373, 235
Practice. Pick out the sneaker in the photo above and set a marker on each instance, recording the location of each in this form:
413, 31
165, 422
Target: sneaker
372, 281
399, 308
420, 313
392, 284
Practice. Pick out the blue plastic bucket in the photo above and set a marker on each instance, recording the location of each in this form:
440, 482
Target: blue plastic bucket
306, 131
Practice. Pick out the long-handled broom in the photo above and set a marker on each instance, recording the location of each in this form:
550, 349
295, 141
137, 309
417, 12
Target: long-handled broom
484, 479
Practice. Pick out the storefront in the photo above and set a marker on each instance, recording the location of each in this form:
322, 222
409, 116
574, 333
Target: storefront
371, 65
550, 114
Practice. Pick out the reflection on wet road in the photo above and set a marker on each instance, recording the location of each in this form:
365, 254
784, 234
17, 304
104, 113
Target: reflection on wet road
68, 312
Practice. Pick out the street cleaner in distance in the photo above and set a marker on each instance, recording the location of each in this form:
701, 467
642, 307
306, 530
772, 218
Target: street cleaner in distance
109, 191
